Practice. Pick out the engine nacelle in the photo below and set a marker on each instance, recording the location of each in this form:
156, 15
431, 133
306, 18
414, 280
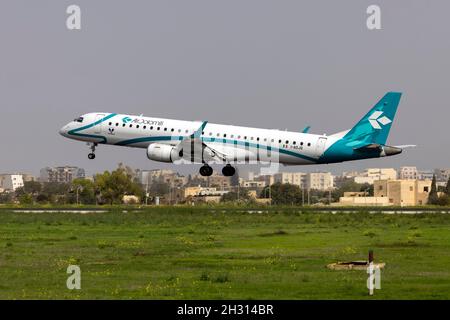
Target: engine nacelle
162, 152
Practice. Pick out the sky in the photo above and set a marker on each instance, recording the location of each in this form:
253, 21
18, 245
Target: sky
262, 63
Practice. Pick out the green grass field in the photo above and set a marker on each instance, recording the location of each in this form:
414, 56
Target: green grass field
187, 253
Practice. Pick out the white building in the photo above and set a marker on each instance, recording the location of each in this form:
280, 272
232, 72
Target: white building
373, 174
10, 182
408, 173
252, 184
425, 175
295, 178
320, 181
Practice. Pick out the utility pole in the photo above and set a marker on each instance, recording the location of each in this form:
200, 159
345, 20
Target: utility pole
270, 194
146, 191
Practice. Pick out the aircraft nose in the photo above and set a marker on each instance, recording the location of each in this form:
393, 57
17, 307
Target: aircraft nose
63, 131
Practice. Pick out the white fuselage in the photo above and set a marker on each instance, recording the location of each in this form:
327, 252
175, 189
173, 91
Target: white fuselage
245, 143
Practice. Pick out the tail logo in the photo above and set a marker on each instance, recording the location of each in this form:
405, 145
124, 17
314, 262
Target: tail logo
376, 119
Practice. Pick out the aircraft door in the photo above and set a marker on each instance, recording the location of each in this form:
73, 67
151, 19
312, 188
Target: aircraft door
320, 146
99, 127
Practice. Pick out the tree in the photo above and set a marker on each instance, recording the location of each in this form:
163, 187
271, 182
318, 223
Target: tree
159, 188
32, 187
112, 186
6, 197
447, 188
85, 189
284, 193
54, 192
433, 195
231, 196
26, 198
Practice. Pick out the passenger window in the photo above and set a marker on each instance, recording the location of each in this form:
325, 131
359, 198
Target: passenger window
110, 123
158, 128
279, 141
172, 130
309, 144
137, 126
145, 127
293, 142
224, 135
123, 125
165, 129
117, 124
151, 128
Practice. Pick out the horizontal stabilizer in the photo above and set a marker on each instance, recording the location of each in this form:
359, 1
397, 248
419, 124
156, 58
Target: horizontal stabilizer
372, 146
406, 146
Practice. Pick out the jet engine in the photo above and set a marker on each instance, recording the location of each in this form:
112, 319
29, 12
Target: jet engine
163, 153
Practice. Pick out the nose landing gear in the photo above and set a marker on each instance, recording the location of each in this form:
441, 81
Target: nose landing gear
92, 146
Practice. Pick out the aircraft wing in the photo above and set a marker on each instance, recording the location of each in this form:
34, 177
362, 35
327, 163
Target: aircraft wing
195, 150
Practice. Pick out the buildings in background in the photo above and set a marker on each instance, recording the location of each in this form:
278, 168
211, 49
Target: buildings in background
405, 186
375, 174
171, 178
10, 182
442, 175
64, 174
322, 181
408, 173
405, 192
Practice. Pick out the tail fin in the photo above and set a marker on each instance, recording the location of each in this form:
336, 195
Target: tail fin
375, 125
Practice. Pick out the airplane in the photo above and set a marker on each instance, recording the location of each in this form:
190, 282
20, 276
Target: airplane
174, 141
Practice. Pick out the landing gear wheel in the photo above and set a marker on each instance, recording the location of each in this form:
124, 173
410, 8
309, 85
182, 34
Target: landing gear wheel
91, 156
228, 171
206, 170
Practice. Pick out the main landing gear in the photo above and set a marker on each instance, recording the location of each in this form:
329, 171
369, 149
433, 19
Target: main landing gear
227, 171
206, 170
92, 146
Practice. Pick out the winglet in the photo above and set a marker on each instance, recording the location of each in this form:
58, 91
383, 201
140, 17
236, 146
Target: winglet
199, 131
306, 130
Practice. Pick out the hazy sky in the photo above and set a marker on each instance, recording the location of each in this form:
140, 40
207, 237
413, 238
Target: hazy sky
275, 64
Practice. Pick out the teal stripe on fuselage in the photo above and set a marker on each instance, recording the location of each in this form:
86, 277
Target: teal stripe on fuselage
221, 140
74, 132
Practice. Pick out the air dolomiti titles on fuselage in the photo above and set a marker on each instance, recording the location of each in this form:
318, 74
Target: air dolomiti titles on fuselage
175, 141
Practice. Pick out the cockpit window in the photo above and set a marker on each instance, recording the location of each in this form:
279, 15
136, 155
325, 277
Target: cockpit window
79, 119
